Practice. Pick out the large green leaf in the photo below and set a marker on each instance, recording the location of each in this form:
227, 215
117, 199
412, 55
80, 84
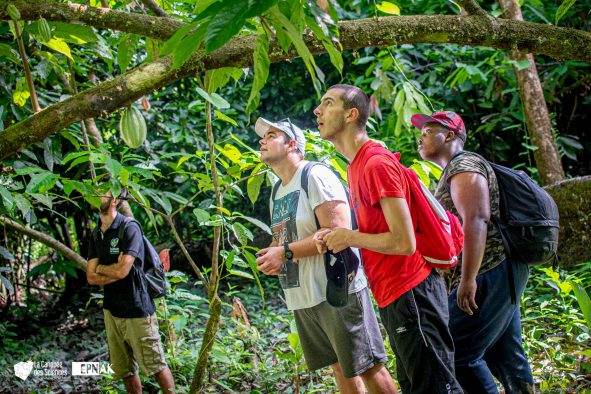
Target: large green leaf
254, 183
9, 53
563, 9
42, 182
125, 50
7, 198
230, 18
584, 301
74, 34
281, 22
261, 70
21, 93
59, 45
187, 46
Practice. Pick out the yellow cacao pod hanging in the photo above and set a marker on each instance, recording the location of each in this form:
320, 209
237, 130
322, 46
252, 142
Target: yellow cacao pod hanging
132, 127
44, 30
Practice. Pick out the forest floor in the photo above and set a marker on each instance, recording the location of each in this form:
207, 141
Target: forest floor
257, 350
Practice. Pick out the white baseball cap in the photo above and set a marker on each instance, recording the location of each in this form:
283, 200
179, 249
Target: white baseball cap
294, 132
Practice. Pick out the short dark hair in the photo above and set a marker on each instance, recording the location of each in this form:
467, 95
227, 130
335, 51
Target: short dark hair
354, 97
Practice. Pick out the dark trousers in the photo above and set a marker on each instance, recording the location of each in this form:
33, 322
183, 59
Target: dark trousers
488, 343
417, 325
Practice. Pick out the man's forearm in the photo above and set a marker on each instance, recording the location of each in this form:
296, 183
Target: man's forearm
99, 280
303, 248
111, 271
385, 243
474, 246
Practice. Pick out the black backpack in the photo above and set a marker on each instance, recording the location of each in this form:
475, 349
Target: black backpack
304, 182
153, 271
528, 220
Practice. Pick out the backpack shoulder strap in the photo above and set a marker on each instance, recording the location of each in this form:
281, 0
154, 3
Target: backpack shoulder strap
306, 174
275, 188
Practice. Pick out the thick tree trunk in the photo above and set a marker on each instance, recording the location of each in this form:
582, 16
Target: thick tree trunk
535, 109
573, 197
109, 96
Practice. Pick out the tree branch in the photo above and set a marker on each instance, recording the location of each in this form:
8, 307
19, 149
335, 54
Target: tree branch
47, 240
473, 8
109, 96
155, 8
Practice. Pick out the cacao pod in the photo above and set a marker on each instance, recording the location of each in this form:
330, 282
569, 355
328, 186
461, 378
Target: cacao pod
132, 127
13, 12
44, 30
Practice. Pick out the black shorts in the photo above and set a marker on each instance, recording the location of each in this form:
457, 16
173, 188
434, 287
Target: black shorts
417, 324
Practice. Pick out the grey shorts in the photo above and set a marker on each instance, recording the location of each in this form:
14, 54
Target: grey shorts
134, 342
349, 335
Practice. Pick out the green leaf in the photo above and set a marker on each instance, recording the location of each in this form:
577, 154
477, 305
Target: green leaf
242, 233
336, 58
113, 166
241, 274
9, 53
201, 215
59, 45
221, 76
7, 255
187, 46
230, 259
7, 198
254, 183
522, 64
388, 8
21, 93
562, 10
219, 101
225, 118
261, 70
22, 204
7, 284
43, 199
230, 18
42, 182
74, 34
125, 51
584, 301
258, 223
173, 42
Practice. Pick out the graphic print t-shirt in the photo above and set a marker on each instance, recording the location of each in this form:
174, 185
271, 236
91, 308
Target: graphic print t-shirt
292, 219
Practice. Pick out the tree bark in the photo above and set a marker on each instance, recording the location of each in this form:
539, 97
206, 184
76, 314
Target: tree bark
47, 240
574, 205
109, 96
535, 109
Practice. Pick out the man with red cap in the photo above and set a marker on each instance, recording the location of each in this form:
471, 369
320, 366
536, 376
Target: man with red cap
485, 325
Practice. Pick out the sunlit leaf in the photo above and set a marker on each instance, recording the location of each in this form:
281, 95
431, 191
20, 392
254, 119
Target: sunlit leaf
388, 8
59, 45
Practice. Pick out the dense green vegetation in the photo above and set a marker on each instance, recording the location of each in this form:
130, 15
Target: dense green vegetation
197, 179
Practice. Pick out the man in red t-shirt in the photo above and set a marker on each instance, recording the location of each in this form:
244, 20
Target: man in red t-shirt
410, 294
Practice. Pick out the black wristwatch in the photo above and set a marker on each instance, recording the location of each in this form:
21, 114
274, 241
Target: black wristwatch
288, 253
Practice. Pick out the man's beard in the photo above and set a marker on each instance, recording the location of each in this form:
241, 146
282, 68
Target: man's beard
105, 205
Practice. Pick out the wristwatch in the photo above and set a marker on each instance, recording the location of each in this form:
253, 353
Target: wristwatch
288, 253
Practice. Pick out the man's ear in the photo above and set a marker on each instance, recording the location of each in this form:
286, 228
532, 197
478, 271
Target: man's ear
353, 115
450, 135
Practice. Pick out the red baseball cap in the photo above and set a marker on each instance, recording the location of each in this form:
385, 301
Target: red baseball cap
448, 119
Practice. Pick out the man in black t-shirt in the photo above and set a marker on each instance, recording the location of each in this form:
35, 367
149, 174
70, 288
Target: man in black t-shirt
130, 320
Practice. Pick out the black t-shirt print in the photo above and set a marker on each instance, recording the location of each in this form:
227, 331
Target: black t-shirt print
127, 297
284, 227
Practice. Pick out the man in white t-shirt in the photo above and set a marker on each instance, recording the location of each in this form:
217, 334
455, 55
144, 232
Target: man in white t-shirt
346, 338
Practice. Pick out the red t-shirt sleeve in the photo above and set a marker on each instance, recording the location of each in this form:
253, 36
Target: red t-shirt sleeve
383, 179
